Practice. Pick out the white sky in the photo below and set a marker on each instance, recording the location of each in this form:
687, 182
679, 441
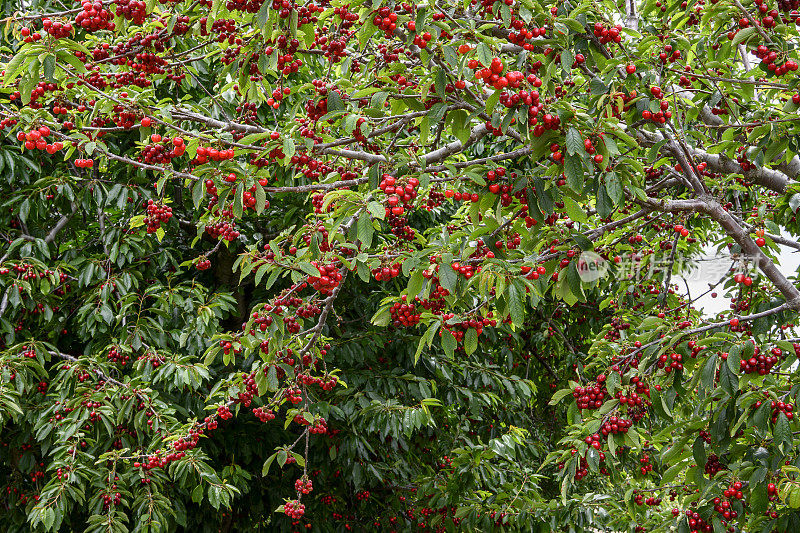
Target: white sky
712, 267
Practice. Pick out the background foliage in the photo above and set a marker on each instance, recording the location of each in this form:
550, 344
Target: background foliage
272, 266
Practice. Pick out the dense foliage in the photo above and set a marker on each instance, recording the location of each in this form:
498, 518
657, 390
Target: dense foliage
280, 265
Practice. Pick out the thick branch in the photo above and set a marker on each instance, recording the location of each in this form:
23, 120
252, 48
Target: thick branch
749, 247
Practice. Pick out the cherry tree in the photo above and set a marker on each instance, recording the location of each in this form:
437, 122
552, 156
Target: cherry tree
280, 265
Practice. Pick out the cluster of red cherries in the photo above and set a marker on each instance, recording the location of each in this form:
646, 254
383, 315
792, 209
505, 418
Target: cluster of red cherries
616, 425
206, 153
94, 17
56, 29
404, 315
303, 485
115, 356
760, 363
778, 407
162, 149
225, 227
460, 329
37, 140
320, 427
133, 10
263, 414
328, 279
294, 509
157, 214
386, 273
769, 57
591, 396
398, 191
661, 116
607, 35
670, 362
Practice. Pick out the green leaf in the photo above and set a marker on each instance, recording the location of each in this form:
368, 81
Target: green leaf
415, 283
197, 493
426, 340
376, 210
364, 229
447, 276
382, 316
734, 358
728, 380
782, 433
598, 87
440, 82
471, 341
709, 373
14, 66
272, 378
198, 190
672, 472
573, 172
574, 142
448, 343
334, 102
49, 67
267, 464
558, 396
263, 14
613, 381
516, 303
575, 210
699, 451
24, 210
484, 54
288, 146
614, 188
758, 499
604, 204
593, 459
261, 198
238, 199
742, 35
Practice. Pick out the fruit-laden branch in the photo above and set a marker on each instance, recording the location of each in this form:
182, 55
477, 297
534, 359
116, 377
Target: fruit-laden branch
713, 325
50, 237
477, 133
708, 205
97, 371
753, 251
775, 180
777, 238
